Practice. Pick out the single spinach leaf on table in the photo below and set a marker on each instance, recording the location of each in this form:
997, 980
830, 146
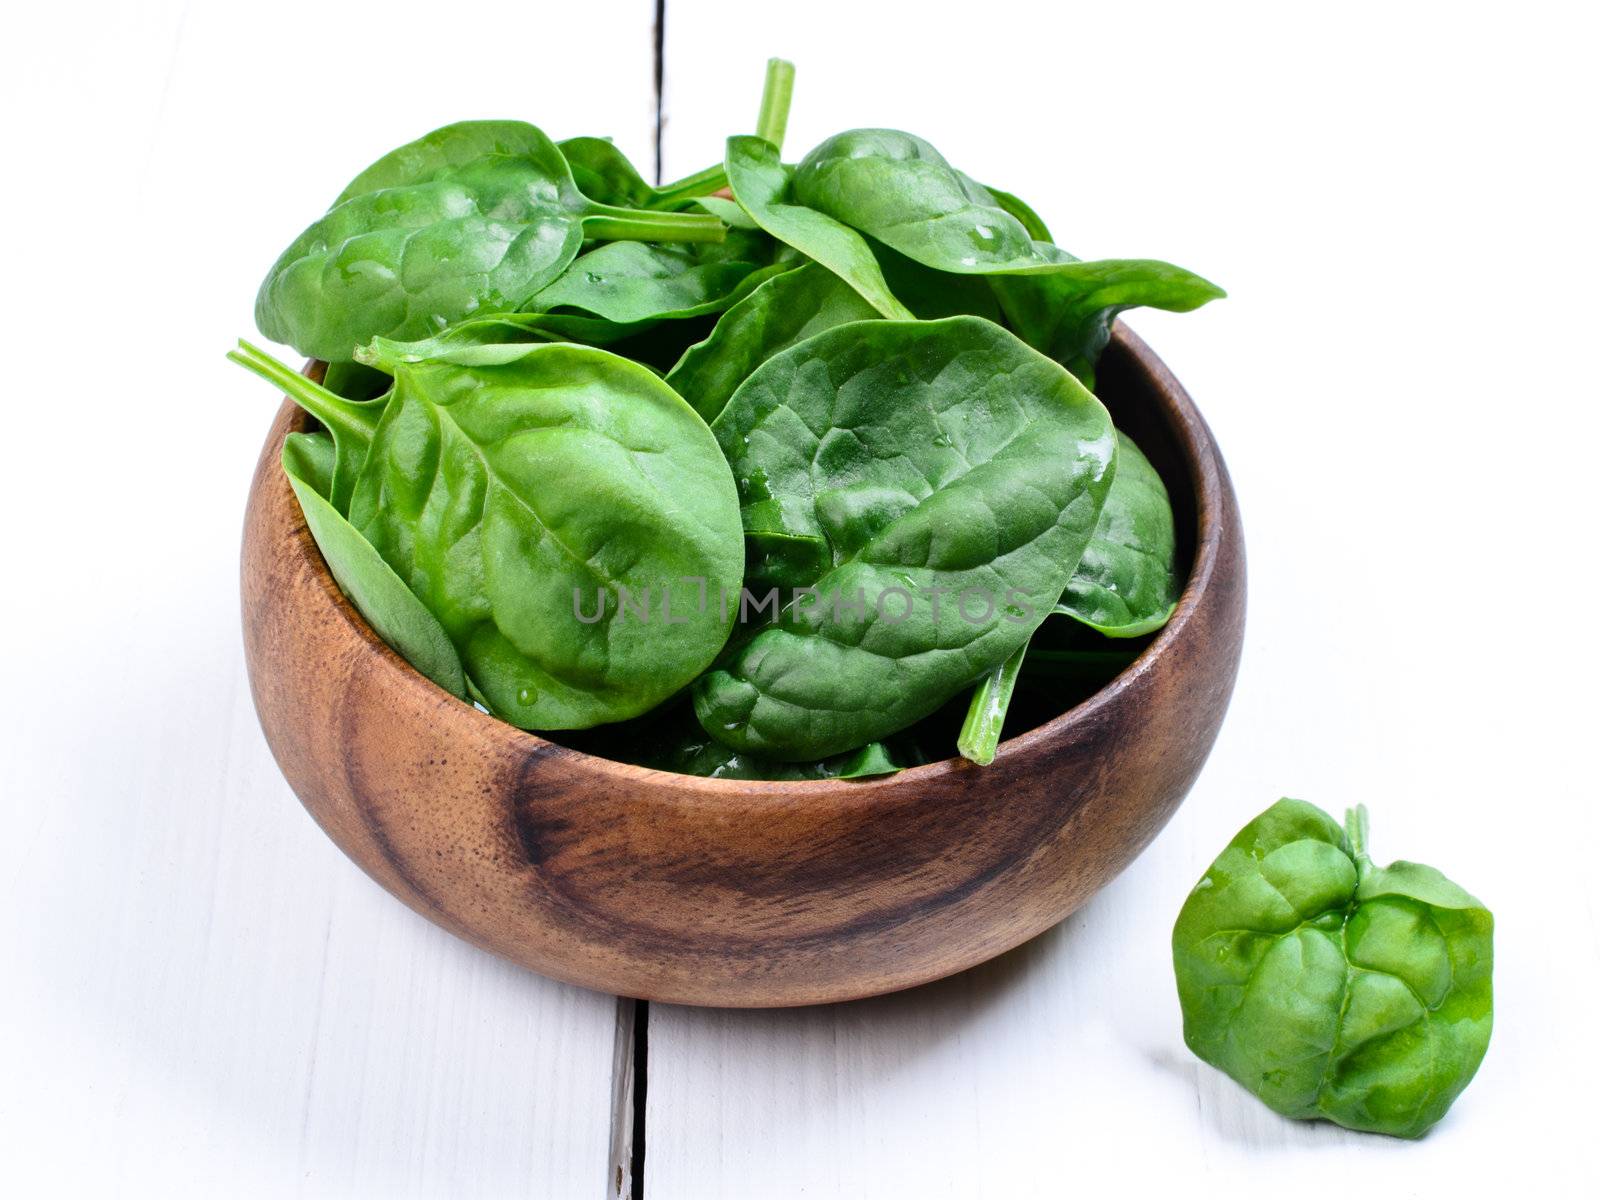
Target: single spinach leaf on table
780, 313
760, 184
519, 491
1125, 586
898, 463
458, 235
379, 595
1330, 987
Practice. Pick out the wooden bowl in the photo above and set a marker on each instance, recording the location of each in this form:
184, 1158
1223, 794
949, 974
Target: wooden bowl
724, 892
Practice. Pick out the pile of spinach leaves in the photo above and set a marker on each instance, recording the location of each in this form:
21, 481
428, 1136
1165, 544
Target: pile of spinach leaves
776, 471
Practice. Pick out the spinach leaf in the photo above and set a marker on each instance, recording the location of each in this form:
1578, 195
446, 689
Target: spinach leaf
730, 212
1067, 313
760, 184
394, 613
603, 172
932, 485
497, 329
628, 282
931, 294
354, 381
561, 512
459, 235
782, 312
1125, 586
898, 189
449, 146
1030, 221
803, 301
350, 426
1330, 987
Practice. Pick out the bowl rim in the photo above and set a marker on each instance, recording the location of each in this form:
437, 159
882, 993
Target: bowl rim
1195, 447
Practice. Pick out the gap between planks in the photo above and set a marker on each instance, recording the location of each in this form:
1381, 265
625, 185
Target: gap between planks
630, 1047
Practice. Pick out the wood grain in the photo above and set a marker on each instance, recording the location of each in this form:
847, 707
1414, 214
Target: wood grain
724, 892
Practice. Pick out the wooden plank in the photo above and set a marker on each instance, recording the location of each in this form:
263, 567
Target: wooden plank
1380, 194
203, 996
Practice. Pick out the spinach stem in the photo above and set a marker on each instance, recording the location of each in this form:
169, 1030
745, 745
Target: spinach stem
1355, 830
775, 96
702, 183
986, 715
610, 223
345, 418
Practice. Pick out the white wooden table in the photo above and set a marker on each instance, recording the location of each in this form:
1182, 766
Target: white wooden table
203, 998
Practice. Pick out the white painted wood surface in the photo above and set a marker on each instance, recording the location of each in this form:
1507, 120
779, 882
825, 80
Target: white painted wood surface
202, 997
1400, 200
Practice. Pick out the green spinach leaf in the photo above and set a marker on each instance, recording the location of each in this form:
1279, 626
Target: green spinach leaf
760, 184
1030, 221
350, 426
782, 312
459, 234
1330, 987
898, 189
561, 512
1125, 586
931, 294
604, 173
629, 282
931, 486
394, 613
1067, 313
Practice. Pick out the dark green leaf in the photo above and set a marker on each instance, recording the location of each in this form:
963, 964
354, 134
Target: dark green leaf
439, 230
603, 172
761, 185
912, 461
898, 189
520, 491
1068, 312
379, 595
781, 312
1126, 583
629, 282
